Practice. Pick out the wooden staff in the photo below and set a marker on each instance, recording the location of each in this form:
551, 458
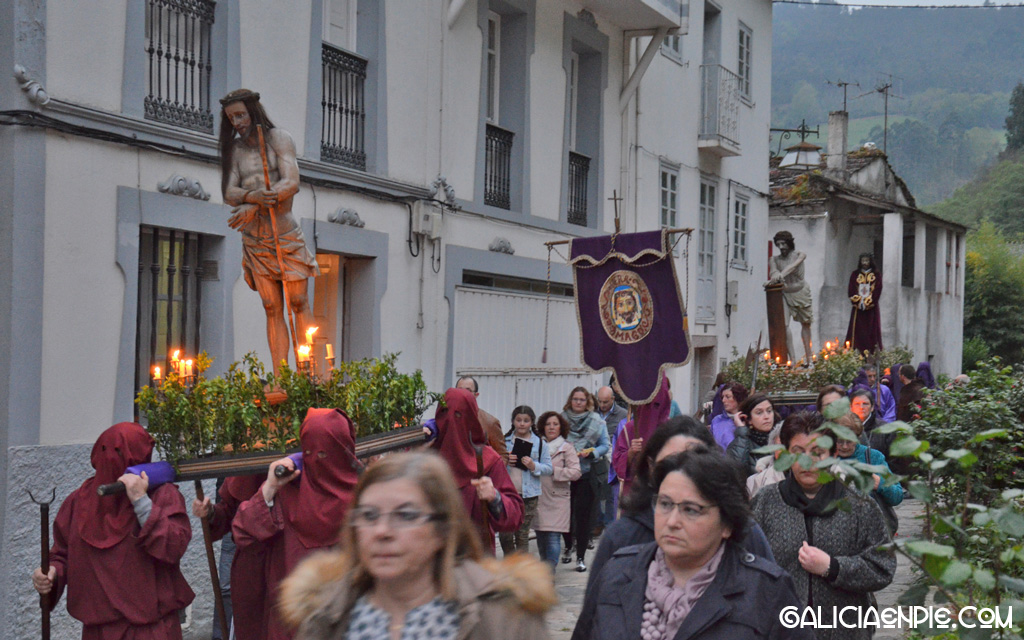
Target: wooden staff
277, 246
479, 449
44, 564
218, 598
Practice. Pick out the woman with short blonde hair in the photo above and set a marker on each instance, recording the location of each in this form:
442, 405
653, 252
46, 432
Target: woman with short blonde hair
412, 566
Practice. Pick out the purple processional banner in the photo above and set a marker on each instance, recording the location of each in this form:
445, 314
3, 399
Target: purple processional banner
631, 316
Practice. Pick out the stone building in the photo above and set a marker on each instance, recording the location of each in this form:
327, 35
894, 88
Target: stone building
849, 203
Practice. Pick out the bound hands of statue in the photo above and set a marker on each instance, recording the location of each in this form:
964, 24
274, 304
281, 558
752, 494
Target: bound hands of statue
262, 197
273, 483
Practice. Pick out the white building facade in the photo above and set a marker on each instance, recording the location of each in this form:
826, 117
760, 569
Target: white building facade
441, 144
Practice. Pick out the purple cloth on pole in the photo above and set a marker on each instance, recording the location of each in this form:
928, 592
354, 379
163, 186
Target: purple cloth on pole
631, 316
158, 472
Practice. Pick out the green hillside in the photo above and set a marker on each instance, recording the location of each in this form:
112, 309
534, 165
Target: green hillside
952, 72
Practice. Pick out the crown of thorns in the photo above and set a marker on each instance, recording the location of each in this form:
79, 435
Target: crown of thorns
239, 95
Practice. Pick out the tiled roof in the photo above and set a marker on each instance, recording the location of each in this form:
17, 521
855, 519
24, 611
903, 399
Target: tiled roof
797, 186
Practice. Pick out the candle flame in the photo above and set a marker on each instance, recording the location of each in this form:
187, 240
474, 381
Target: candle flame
828, 346
304, 350
778, 359
156, 373
174, 356
309, 333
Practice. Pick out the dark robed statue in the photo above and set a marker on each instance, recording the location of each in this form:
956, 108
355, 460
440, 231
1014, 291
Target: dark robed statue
865, 330
269, 260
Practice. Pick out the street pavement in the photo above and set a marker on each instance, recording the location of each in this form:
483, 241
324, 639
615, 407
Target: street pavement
571, 586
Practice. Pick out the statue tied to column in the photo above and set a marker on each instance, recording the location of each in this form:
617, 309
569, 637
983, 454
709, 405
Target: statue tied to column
865, 330
787, 269
275, 265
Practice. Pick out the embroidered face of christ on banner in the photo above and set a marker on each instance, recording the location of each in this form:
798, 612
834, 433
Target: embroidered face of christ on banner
631, 316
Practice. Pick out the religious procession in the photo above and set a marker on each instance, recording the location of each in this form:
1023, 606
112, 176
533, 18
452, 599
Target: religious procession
470, 345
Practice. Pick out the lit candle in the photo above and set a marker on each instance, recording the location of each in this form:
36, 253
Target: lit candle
778, 359
789, 363
828, 346
847, 344
309, 334
826, 356
304, 353
330, 351
188, 368
156, 374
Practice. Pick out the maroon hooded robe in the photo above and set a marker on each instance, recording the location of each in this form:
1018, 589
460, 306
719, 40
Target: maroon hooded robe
123, 580
458, 429
248, 592
648, 417
307, 515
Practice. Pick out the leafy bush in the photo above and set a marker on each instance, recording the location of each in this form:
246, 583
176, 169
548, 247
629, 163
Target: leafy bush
840, 367
232, 413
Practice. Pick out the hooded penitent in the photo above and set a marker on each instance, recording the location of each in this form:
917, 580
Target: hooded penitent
315, 504
458, 430
123, 445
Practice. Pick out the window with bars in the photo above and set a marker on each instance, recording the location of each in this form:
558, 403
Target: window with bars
343, 105
170, 291
740, 210
669, 196
745, 59
178, 34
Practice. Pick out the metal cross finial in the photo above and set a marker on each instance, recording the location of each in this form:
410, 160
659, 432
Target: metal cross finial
616, 200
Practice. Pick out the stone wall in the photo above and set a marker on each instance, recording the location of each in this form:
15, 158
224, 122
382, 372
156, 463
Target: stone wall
40, 469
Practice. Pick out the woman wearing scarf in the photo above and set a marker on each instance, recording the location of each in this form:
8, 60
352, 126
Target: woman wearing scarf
694, 580
290, 517
827, 536
458, 433
588, 434
118, 555
757, 416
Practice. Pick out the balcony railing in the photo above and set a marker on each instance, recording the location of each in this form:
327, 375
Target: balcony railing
178, 54
343, 130
579, 172
720, 108
498, 167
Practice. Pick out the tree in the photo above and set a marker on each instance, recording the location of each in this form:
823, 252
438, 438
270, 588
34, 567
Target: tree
1015, 121
994, 293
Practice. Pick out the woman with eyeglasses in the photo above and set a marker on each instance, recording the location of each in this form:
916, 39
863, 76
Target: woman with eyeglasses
694, 576
410, 565
826, 535
636, 524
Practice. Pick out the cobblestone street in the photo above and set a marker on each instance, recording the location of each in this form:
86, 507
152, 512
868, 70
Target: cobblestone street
571, 585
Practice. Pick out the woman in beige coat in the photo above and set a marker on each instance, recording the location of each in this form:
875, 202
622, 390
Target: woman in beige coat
411, 566
554, 504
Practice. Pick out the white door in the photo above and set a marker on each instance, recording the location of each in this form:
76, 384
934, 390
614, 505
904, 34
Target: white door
705, 312
499, 339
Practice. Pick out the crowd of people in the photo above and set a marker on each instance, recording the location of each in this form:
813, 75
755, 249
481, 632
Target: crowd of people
688, 515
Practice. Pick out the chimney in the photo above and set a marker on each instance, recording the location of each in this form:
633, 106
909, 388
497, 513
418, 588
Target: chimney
838, 122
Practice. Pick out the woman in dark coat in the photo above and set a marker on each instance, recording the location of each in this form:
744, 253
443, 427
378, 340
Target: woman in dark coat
827, 536
636, 524
694, 580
